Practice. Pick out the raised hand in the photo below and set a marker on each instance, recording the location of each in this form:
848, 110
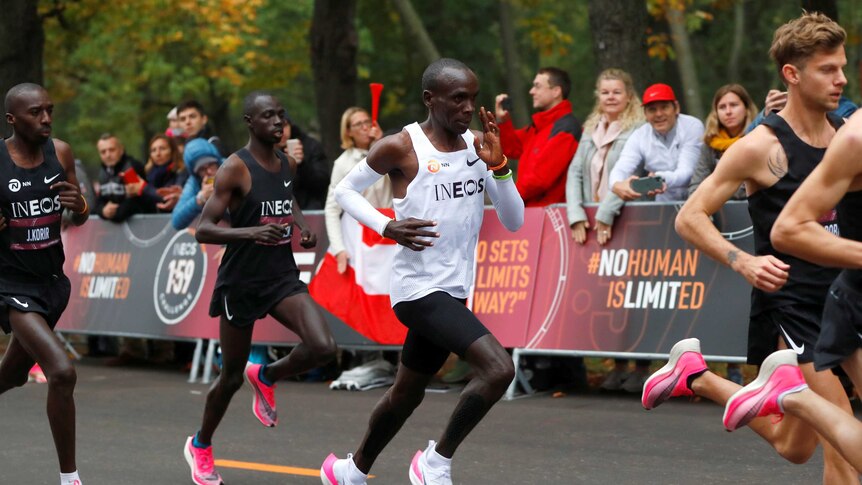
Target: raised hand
490, 150
70, 196
409, 233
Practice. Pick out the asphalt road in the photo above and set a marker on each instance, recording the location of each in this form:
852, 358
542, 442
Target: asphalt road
132, 423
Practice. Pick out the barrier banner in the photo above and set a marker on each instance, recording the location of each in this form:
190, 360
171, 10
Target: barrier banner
643, 291
534, 288
142, 277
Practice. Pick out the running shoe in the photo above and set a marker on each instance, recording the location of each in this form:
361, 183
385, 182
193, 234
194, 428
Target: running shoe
334, 471
201, 463
263, 405
422, 474
36, 375
672, 379
779, 376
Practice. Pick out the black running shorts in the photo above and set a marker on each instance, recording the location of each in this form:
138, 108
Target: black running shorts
243, 305
48, 300
437, 324
841, 331
798, 325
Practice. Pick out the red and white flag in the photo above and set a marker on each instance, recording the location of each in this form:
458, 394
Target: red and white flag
360, 296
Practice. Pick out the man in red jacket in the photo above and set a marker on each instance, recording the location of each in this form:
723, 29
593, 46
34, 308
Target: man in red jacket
545, 147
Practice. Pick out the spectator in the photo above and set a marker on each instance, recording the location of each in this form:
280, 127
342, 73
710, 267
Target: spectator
775, 101
667, 147
312, 167
357, 134
175, 128
202, 161
122, 190
616, 115
545, 148
732, 110
166, 171
195, 124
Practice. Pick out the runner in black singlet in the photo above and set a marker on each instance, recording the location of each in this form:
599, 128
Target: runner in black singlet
257, 276
837, 180
38, 184
787, 300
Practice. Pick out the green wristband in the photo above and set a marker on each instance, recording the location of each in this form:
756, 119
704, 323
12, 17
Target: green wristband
504, 177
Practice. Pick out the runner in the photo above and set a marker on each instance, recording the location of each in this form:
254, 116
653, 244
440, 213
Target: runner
39, 182
440, 171
836, 181
257, 276
789, 293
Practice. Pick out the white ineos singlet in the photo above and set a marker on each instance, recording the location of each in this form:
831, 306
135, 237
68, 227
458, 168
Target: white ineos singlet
449, 188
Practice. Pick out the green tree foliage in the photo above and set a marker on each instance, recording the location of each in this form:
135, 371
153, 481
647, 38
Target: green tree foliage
120, 66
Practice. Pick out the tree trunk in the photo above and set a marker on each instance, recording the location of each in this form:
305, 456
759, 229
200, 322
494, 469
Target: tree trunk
685, 62
512, 62
619, 38
738, 38
413, 25
826, 7
334, 44
21, 43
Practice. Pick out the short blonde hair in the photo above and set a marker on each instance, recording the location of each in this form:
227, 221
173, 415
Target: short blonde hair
631, 116
798, 40
713, 126
346, 141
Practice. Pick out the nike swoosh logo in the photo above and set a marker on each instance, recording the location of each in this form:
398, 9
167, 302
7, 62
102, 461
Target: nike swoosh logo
470, 164
287, 184
796, 348
832, 292
25, 305
226, 311
860, 336
49, 180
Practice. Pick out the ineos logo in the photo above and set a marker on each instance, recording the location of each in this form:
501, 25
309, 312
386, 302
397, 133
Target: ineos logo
14, 185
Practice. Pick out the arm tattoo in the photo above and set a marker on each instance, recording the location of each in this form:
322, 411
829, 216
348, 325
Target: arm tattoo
777, 163
731, 256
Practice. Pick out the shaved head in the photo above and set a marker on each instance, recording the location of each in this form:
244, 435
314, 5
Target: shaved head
19, 91
249, 103
436, 75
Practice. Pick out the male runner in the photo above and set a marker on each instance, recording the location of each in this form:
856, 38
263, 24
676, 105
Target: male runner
257, 276
836, 181
788, 294
440, 171
38, 183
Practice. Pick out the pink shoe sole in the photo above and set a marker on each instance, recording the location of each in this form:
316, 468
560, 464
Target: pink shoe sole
671, 380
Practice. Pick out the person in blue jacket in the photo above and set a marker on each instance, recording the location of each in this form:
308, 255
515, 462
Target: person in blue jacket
202, 159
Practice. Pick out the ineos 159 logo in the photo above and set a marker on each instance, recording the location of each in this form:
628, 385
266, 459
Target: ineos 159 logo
14, 185
179, 278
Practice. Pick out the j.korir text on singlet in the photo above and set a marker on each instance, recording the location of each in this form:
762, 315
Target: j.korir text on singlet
276, 208
36, 207
458, 189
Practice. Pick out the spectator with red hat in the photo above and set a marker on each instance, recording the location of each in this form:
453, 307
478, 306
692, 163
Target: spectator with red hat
668, 146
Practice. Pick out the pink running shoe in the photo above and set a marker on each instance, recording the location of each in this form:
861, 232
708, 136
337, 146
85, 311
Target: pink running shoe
422, 474
334, 471
200, 461
36, 375
779, 376
263, 405
672, 379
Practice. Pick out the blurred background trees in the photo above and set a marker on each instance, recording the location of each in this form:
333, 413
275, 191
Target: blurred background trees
120, 66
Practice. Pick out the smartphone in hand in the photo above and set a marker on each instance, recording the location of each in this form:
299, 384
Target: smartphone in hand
644, 185
131, 177
506, 104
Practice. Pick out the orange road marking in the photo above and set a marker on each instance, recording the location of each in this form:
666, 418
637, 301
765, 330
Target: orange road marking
263, 467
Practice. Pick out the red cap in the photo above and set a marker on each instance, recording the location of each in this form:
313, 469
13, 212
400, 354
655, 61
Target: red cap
658, 92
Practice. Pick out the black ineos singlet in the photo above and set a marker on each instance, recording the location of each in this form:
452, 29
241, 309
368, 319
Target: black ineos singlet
30, 247
270, 200
808, 282
850, 221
